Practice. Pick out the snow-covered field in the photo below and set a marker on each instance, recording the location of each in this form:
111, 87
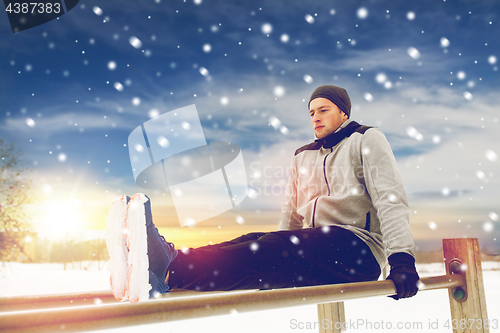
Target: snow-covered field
426, 312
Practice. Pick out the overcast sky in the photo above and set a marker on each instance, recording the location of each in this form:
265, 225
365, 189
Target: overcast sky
424, 72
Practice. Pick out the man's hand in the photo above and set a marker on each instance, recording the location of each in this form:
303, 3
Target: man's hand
403, 274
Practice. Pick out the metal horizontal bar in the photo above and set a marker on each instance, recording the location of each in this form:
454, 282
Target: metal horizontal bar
31, 302
34, 302
85, 318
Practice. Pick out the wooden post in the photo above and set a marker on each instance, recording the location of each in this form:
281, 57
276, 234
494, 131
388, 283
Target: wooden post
468, 310
331, 317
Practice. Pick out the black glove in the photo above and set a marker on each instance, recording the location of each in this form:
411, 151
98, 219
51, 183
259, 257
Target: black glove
403, 274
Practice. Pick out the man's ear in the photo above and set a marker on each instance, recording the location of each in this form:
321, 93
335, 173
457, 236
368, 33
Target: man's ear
344, 116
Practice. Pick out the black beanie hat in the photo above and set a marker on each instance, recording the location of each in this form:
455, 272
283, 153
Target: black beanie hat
336, 95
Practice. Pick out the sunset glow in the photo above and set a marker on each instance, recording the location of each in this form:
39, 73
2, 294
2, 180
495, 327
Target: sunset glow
59, 219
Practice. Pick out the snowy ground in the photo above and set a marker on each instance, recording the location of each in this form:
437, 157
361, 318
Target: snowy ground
426, 312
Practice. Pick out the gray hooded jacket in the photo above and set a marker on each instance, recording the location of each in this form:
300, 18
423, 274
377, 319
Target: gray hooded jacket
350, 179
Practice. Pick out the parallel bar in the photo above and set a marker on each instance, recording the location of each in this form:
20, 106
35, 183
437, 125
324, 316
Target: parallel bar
30, 302
105, 316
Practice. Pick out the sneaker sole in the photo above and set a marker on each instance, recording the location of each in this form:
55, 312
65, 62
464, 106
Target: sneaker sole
115, 242
137, 243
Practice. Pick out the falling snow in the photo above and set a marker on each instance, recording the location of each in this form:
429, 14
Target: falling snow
413, 133
275, 122
444, 42
267, 28
279, 91
488, 226
362, 13
493, 216
139, 147
135, 42
432, 225
308, 78
224, 100
204, 71
98, 11
445, 191
491, 155
381, 78
468, 96
480, 174
254, 246
153, 113
239, 219
118, 86
309, 19
253, 194
414, 53
162, 141
111, 65
295, 240
207, 48
30, 122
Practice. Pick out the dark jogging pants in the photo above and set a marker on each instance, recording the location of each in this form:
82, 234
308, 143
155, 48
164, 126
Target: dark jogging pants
279, 259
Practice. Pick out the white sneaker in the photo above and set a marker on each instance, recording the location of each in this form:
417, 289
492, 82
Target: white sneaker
139, 255
118, 252
137, 242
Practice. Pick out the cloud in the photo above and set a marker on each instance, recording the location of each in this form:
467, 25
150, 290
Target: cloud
51, 125
438, 195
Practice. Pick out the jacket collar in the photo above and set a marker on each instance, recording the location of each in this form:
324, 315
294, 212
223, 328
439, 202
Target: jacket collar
345, 130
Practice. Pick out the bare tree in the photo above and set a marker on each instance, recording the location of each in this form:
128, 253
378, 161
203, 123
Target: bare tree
15, 194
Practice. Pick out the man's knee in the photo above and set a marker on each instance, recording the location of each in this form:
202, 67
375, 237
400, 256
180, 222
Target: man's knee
253, 235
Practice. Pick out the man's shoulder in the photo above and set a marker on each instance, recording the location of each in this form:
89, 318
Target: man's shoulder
316, 145
365, 132
362, 129
355, 127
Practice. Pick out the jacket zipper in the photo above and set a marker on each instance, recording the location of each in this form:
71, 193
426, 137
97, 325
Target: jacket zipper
327, 186
324, 171
314, 211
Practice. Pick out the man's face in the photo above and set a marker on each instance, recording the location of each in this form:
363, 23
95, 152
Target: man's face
326, 117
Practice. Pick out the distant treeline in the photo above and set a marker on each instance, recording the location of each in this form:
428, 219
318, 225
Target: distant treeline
42, 250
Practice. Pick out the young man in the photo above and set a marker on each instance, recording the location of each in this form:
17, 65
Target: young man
345, 212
